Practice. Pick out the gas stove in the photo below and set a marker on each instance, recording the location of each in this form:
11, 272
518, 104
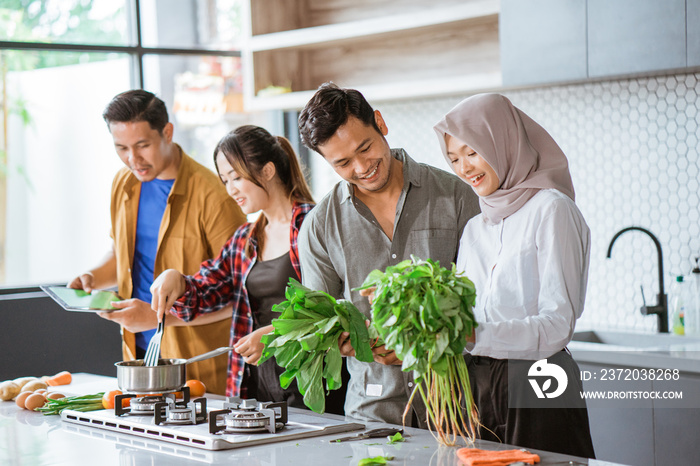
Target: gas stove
233, 423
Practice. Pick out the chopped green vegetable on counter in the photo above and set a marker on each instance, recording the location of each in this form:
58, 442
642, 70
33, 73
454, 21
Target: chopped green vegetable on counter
396, 438
375, 461
423, 312
305, 341
81, 403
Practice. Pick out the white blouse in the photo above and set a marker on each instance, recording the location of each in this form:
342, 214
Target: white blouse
530, 272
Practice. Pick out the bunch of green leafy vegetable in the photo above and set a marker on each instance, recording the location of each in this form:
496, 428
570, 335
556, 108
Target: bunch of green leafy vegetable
423, 312
305, 341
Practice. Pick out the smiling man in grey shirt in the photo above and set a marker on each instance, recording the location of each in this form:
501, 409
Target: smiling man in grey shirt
387, 208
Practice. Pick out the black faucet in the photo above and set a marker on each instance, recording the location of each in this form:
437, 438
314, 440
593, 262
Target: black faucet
661, 307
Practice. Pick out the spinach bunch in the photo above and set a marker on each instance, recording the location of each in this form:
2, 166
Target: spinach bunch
423, 312
305, 341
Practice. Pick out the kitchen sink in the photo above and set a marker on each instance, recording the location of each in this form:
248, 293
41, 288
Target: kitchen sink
641, 341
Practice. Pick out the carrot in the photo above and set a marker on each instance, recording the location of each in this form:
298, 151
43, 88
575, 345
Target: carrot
62, 378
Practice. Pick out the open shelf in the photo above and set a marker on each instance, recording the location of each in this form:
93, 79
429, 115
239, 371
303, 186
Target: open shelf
329, 33
389, 50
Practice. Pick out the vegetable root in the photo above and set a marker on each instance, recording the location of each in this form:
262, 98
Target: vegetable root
446, 416
34, 385
8, 390
62, 378
22, 381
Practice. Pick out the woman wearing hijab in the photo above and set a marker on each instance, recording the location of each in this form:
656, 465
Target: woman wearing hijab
527, 254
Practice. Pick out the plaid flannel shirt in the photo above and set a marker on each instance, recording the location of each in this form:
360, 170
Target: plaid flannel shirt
222, 280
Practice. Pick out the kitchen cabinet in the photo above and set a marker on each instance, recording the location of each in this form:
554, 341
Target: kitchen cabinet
543, 41
644, 432
620, 433
555, 41
634, 36
676, 429
389, 49
39, 337
693, 32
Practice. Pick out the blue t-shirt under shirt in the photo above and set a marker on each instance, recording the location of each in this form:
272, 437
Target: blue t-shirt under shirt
152, 202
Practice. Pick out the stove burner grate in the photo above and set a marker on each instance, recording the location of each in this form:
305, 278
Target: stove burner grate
193, 412
248, 416
144, 404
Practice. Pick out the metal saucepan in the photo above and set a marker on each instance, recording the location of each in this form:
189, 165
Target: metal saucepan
169, 375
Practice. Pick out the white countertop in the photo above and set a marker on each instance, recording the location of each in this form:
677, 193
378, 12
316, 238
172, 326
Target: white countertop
31, 438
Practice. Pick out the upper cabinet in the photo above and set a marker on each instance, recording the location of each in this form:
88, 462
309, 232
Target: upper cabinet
693, 28
394, 49
554, 41
543, 41
389, 49
635, 36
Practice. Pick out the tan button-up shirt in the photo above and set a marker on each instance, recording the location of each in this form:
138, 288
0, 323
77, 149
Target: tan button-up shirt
198, 219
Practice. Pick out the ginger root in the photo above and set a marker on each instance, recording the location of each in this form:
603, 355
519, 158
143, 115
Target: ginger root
8, 390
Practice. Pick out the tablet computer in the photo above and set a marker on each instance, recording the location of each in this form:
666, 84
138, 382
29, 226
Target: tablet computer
78, 300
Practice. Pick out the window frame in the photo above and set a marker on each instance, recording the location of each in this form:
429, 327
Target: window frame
137, 53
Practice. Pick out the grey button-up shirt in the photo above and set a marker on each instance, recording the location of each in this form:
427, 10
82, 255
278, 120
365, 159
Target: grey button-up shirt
341, 242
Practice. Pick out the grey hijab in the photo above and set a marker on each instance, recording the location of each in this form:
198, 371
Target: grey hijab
523, 155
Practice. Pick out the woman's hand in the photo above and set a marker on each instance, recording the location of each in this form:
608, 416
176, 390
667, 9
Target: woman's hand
165, 290
250, 346
471, 338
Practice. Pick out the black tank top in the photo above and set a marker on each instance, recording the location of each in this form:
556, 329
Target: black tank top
266, 284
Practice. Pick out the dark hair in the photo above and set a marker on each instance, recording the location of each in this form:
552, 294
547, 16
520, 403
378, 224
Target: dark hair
248, 149
328, 110
137, 105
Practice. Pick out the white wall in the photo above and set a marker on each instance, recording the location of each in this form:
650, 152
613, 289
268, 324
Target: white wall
58, 224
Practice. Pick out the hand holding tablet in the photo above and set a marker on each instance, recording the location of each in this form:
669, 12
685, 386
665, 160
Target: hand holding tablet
78, 300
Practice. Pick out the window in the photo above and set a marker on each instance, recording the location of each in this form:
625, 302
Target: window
61, 61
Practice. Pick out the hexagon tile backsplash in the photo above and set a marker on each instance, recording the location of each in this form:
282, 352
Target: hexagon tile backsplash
633, 151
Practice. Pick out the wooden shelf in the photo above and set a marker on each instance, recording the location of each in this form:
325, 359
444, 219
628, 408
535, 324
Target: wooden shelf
388, 92
445, 48
330, 33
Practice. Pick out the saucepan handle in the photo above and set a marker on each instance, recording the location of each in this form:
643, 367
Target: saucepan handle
210, 354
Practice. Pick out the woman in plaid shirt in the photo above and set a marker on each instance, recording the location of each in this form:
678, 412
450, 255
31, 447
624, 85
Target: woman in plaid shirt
261, 173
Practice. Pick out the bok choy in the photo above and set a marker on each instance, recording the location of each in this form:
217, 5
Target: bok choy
305, 341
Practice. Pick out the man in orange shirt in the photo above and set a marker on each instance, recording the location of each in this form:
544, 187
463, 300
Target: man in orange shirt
168, 211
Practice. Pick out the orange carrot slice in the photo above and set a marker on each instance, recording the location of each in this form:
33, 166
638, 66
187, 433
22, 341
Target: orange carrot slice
62, 378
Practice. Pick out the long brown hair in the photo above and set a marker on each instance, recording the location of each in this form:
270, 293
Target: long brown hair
248, 149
